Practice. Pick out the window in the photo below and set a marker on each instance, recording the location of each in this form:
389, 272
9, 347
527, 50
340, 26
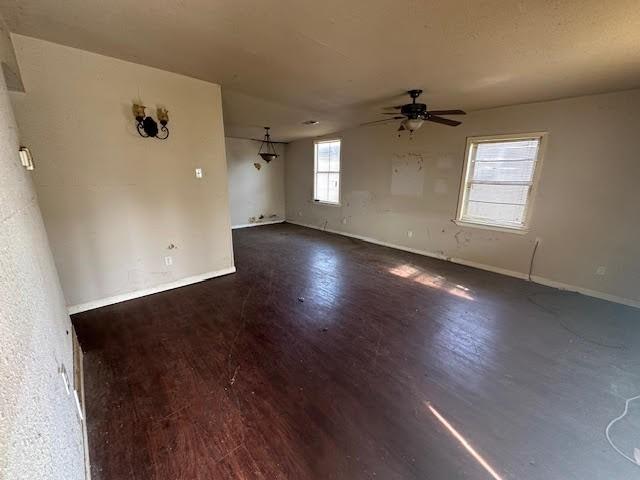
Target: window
498, 180
326, 175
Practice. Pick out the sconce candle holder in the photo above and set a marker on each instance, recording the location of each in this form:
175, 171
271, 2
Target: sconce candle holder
147, 126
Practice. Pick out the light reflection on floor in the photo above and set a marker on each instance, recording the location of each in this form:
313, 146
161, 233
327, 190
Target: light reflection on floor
326, 283
429, 280
464, 442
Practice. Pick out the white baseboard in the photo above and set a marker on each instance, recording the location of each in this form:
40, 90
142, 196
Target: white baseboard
257, 224
585, 291
83, 307
489, 268
373, 240
511, 273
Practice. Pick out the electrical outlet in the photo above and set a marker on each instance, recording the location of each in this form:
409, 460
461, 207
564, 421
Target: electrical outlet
410, 233
198, 173
601, 270
168, 261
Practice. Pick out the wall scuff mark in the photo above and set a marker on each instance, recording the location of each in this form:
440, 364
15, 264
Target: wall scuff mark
462, 238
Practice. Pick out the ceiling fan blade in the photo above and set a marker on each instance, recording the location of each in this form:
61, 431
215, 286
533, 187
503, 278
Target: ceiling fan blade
388, 113
383, 120
395, 107
447, 112
444, 121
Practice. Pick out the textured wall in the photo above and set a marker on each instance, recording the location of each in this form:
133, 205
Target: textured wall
113, 202
40, 434
585, 211
254, 192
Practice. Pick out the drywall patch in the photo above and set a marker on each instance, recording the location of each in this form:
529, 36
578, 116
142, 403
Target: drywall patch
407, 174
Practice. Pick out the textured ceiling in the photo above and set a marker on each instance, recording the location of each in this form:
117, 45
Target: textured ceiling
281, 62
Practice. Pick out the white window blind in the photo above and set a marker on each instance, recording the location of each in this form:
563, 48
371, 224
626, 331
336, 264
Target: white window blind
499, 178
326, 177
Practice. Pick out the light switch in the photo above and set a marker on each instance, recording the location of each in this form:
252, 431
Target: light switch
25, 158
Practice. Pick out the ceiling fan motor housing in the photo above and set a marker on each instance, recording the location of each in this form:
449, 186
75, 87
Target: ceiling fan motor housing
414, 110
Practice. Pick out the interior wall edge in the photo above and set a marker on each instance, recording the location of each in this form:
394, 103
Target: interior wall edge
490, 268
41, 433
183, 282
123, 213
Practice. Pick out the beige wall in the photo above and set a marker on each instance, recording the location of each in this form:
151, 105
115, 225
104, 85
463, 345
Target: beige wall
112, 201
585, 212
254, 192
40, 432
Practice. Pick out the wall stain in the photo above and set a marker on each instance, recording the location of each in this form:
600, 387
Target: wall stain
462, 238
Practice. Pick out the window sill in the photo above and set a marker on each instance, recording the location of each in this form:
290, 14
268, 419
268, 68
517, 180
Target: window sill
328, 204
488, 226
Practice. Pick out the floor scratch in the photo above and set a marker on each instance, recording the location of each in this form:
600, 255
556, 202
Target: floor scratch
377, 351
233, 379
240, 330
230, 452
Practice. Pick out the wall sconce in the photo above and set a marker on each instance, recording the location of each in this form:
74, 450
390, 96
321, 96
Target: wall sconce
147, 126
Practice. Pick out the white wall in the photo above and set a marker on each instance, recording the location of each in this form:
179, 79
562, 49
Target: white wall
254, 192
586, 210
112, 201
40, 433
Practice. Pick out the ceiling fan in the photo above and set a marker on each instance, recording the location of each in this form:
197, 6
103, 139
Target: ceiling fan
413, 114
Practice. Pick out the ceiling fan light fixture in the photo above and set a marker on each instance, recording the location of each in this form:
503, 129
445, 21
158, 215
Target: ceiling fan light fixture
413, 124
414, 114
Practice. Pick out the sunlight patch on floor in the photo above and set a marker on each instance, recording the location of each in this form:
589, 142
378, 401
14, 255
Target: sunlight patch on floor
429, 280
464, 442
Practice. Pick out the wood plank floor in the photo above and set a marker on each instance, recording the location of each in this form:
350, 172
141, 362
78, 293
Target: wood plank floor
320, 359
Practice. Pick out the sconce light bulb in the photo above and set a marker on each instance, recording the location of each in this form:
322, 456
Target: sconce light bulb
163, 115
138, 112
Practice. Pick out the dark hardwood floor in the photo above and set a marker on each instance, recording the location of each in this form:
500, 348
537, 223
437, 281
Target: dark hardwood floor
321, 358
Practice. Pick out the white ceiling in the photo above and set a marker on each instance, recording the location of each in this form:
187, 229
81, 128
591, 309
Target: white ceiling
281, 62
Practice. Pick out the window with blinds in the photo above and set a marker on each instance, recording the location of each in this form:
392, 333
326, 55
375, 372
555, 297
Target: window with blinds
499, 177
326, 176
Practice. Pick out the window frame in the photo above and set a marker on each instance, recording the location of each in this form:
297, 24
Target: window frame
315, 171
466, 171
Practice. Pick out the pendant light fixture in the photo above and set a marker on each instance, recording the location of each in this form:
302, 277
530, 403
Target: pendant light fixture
269, 152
